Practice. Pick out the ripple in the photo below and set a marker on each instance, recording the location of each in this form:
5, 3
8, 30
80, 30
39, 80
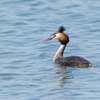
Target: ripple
25, 14
10, 31
38, 3
77, 15
96, 21
8, 74
20, 23
95, 30
9, 2
6, 53
73, 6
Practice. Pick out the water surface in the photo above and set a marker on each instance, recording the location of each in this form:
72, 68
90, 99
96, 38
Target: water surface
27, 71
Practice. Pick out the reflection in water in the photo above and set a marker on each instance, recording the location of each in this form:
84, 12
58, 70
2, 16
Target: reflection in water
65, 74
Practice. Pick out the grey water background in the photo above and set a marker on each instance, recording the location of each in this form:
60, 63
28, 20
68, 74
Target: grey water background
26, 68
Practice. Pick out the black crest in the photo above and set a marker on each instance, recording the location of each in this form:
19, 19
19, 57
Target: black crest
61, 29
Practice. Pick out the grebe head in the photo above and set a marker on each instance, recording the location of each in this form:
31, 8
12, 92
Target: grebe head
59, 35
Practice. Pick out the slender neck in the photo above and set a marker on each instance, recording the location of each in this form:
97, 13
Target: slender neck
60, 52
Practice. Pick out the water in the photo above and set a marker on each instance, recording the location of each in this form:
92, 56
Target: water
26, 68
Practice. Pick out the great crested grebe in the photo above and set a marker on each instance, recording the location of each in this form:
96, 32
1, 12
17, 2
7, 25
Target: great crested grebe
66, 61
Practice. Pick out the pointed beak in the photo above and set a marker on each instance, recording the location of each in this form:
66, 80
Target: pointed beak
50, 38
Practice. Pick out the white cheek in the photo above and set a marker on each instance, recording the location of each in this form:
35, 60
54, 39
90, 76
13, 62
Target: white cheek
56, 37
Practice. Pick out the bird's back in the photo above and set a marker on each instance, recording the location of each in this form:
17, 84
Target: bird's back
73, 61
